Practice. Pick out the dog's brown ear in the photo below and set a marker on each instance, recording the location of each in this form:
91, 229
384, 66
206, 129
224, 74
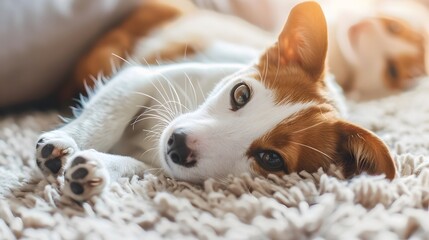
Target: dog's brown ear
362, 151
303, 40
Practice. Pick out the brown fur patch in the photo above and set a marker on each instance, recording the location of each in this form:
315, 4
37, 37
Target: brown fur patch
359, 151
290, 84
315, 138
297, 138
119, 41
294, 67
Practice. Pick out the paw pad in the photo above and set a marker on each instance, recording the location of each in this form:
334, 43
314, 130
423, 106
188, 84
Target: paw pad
47, 150
76, 188
77, 161
54, 165
79, 173
85, 177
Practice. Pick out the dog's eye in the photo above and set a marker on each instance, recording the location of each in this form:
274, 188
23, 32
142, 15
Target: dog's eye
240, 95
392, 70
393, 28
270, 160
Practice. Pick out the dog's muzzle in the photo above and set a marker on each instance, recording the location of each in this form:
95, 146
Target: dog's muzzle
177, 150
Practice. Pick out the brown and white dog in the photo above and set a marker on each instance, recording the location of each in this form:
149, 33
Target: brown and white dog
377, 48
277, 115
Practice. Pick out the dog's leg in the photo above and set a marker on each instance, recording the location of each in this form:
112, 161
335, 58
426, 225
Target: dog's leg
101, 123
107, 114
89, 172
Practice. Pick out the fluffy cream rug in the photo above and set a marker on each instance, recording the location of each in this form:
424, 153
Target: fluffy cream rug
294, 207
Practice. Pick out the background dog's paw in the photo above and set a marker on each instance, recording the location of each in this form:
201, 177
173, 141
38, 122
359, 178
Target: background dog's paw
52, 151
85, 176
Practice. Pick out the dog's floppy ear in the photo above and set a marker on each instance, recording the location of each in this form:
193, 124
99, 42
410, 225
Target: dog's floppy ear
362, 151
303, 40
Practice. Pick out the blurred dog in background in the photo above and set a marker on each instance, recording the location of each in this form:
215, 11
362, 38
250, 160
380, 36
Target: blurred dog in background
376, 48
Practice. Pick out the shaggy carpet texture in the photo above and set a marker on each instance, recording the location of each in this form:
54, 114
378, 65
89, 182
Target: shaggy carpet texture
298, 206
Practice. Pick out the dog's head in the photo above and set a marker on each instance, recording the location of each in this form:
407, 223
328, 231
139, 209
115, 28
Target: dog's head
274, 117
386, 55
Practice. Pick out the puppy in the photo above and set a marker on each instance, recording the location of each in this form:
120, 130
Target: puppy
275, 116
378, 48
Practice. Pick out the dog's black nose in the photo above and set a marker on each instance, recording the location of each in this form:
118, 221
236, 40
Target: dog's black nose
177, 149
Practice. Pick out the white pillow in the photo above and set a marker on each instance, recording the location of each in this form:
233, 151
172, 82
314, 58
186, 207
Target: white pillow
42, 39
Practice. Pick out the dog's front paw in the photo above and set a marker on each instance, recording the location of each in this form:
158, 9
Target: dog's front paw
85, 177
52, 151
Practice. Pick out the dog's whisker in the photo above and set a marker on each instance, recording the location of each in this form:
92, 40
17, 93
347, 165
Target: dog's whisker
166, 106
312, 148
181, 105
133, 61
160, 111
312, 126
158, 129
323, 114
194, 104
164, 94
202, 92
147, 151
186, 49
159, 125
152, 135
146, 62
175, 94
162, 117
114, 66
151, 116
121, 58
152, 132
163, 113
157, 61
184, 93
154, 99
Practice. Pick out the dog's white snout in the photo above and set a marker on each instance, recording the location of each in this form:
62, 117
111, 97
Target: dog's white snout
178, 151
